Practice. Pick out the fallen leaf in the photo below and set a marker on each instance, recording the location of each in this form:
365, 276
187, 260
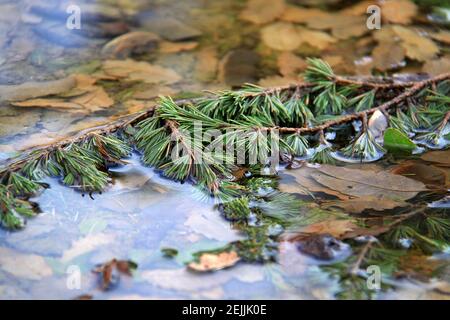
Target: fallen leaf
213, 262
207, 64
290, 65
398, 11
396, 141
281, 36
388, 55
238, 67
85, 97
358, 205
333, 227
317, 39
31, 90
168, 28
359, 183
275, 81
322, 246
441, 36
302, 15
262, 11
301, 181
24, 266
109, 271
438, 66
131, 70
173, 47
441, 158
132, 42
417, 47
431, 176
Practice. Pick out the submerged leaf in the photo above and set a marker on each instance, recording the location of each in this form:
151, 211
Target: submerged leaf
397, 141
213, 262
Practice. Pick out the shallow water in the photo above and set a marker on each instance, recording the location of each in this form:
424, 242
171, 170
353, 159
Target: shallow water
142, 212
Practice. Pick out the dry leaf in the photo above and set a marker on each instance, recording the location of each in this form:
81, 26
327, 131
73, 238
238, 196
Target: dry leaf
131, 70
281, 36
213, 262
290, 65
398, 11
131, 42
262, 11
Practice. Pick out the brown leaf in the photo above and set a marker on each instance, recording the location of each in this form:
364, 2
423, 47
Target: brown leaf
318, 39
359, 183
262, 11
85, 98
275, 81
431, 176
388, 55
441, 158
398, 11
438, 66
31, 90
108, 271
207, 64
302, 15
173, 47
441, 36
290, 65
213, 262
333, 227
281, 36
132, 42
131, 70
358, 205
416, 46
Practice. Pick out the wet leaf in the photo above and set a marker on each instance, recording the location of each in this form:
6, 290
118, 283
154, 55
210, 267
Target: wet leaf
131, 70
441, 158
416, 46
397, 141
345, 183
398, 11
169, 252
358, 183
213, 262
85, 97
388, 55
441, 36
110, 270
262, 11
132, 42
281, 36
438, 66
30, 90
173, 47
358, 205
322, 246
430, 175
290, 65
333, 227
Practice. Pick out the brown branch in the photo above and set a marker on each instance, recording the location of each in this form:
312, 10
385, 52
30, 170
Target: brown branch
123, 122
